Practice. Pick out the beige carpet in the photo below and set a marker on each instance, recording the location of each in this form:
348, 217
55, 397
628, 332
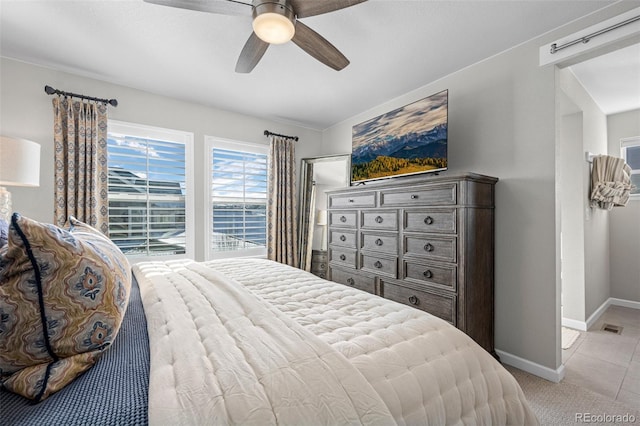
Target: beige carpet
569, 336
561, 403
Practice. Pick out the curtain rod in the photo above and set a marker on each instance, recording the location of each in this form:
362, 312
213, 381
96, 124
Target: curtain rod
51, 91
268, 133
555, 48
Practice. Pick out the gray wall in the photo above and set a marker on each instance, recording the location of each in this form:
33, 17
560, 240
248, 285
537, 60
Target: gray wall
592, 248
570, 162
624, 224
502, 123
26, 112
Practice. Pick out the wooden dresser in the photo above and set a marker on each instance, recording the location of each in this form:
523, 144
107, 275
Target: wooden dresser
427, 242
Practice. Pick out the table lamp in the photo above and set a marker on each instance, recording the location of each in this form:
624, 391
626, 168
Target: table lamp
19, 166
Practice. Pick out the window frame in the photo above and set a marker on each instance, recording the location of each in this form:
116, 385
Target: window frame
628, 143
211, 142
169, 135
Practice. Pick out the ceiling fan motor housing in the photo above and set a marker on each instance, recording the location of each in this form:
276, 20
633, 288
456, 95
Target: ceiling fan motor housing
281, 7
273, 21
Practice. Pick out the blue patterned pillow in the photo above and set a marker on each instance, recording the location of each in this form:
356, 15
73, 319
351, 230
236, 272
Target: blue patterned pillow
62, 298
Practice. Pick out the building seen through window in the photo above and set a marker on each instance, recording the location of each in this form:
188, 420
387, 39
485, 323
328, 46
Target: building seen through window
238, 178
147, 195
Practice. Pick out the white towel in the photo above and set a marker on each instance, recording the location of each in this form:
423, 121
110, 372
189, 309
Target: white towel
610, 182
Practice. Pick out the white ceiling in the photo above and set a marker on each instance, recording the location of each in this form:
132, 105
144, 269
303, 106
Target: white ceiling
394, 46
612, 80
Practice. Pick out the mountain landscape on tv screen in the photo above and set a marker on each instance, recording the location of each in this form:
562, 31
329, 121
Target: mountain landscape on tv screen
408, 153
431, 143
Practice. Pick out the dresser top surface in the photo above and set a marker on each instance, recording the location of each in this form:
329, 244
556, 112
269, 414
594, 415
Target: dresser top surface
399, 182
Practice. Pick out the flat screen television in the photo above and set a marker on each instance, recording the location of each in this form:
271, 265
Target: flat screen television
406, 141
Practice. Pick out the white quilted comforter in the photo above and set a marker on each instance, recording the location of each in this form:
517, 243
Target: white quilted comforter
249, 341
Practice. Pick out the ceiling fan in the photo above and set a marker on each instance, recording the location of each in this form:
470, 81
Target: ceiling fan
275, 22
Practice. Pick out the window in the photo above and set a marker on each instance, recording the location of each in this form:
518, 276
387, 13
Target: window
238, 198
631, 154
150, 190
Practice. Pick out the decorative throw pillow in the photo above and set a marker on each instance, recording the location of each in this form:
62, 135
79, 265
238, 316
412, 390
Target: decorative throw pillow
62, 298
4, 232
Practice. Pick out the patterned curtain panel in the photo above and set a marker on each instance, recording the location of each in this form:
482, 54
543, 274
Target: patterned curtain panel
282, 223
80, 137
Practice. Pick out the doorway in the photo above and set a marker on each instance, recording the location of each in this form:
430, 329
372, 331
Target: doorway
598, 104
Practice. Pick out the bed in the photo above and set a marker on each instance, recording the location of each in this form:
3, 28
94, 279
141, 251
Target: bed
250, 341
230, 334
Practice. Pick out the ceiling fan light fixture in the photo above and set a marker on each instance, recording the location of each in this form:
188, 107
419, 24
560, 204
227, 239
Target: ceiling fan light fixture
273, 22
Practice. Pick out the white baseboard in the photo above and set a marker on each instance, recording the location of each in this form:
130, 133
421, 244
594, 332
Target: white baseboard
593, 318
575, 324
531, 367
557, 375
598, 313
626, 303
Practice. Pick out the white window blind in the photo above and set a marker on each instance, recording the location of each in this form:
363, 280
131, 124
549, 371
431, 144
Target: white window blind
238, 194
149, 202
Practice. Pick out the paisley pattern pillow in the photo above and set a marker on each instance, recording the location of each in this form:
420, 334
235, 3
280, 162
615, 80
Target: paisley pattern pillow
63, 294
4, 232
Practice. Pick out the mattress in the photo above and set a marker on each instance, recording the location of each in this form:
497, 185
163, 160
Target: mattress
407, 366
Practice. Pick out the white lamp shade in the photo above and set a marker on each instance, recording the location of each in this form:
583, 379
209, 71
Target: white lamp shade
321, 217
19, 162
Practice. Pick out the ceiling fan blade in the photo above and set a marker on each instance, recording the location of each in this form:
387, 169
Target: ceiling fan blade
305, 8
318, 47
251, 54
223, 7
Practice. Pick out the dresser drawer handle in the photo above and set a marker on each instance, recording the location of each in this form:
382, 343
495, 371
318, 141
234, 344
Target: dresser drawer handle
343, 257
414, 300
351, 200
428, 247
379, 219
379, 242
428, 220
321, 275
350, 281
322, 266
343, 219
378, 264
343, 238
428, 273
414, 197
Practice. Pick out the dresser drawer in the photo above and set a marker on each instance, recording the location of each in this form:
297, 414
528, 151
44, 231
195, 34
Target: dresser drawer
342, 256
379, 265
342, 219
442, 248
438, 275
441, 221
342, 238
353, 279
319, 263
384, 243
362, 199
320, 274
319, 256
441, 305
382, 220
432, 195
